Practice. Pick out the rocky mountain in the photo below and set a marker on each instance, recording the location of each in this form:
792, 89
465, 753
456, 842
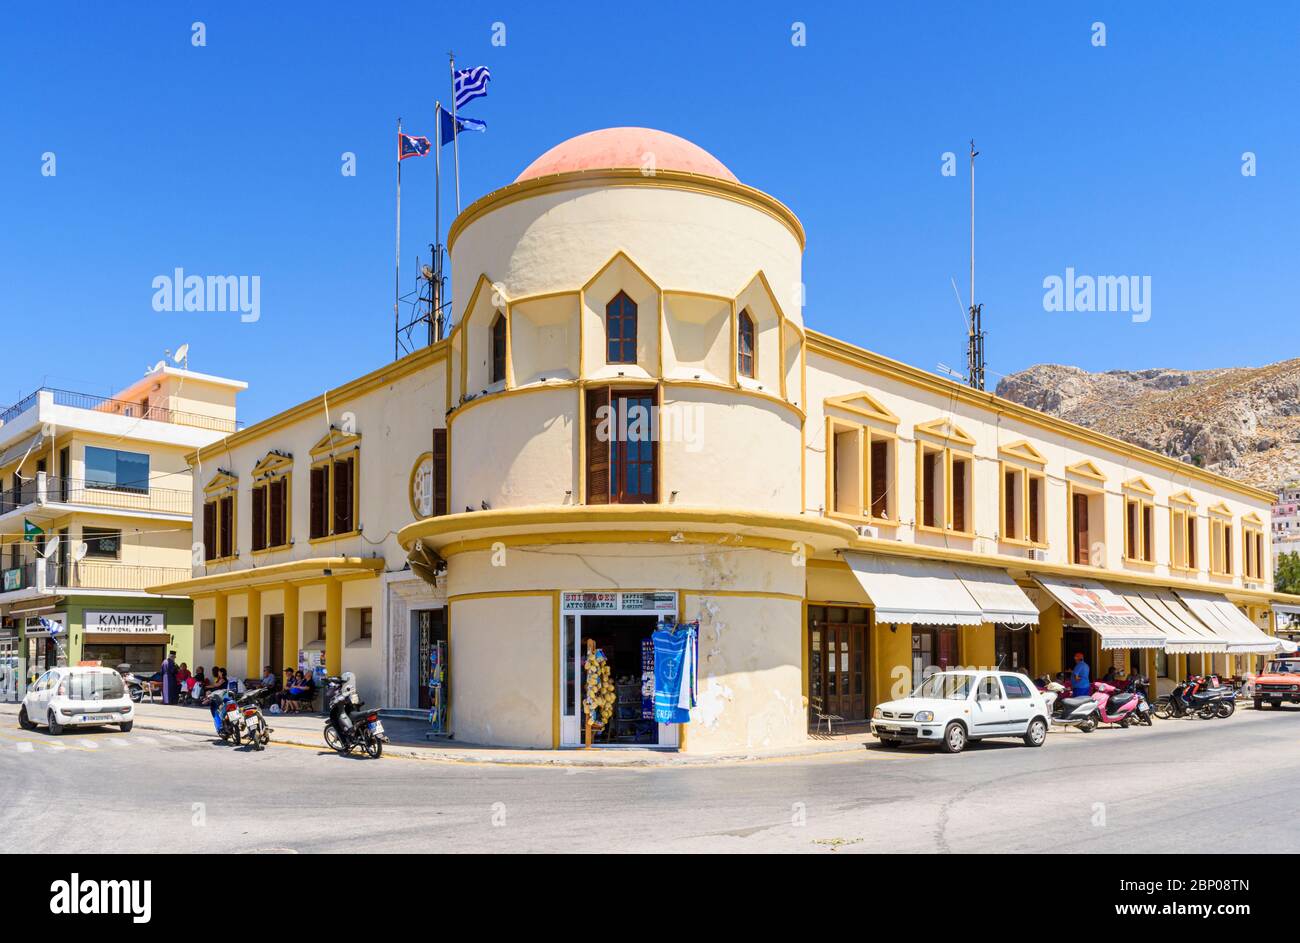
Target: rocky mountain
1243, 422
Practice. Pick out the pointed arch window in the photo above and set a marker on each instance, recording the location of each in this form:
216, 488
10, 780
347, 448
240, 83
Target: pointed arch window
745, 345
620, 330
498, 349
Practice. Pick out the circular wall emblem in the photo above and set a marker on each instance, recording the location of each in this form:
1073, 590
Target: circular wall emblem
422, 486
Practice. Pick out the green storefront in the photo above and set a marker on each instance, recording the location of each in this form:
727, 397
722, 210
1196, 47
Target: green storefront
110, 630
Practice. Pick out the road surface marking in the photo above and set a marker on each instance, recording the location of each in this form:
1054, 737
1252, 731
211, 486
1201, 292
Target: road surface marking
88, 743
147, 741
24, 747
118, 743
58, 747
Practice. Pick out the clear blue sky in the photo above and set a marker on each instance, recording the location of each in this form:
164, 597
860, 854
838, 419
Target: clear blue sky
225, 160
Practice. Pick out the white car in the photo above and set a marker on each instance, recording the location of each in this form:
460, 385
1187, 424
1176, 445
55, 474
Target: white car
952, 708
68, 697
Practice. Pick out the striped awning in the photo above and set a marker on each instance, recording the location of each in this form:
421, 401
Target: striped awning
21, 448
1216, 611
1184, 633
1105, 611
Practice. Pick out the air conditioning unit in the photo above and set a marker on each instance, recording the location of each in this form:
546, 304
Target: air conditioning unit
1038, 556
867, 530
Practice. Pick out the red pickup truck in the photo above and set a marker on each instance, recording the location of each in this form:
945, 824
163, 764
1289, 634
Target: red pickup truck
1279, 682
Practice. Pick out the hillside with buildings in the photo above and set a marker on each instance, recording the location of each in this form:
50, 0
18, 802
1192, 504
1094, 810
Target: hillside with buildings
1243, 422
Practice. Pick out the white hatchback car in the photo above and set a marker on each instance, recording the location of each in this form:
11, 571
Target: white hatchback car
952, 708
67, 697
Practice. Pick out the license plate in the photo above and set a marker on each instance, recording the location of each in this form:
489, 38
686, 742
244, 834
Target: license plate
252, 723
376, 727
90, 717
892, 729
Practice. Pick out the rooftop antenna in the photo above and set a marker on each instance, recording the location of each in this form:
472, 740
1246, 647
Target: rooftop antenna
182, 356
974, 325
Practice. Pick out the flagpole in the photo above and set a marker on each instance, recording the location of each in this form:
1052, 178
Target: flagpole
455, 135
437, 173
397, 269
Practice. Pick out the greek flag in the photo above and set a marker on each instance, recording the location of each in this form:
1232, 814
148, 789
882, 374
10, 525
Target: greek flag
49, 625
469, 84
447, 134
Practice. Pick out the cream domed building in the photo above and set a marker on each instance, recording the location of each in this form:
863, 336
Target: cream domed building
836, 522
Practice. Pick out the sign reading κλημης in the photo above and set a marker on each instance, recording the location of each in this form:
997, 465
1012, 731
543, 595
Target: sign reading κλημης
124, 621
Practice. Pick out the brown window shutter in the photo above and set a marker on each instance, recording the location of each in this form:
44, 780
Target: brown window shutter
439, 471
1081, 554
1191, 539
879, 478
227, 511
928, 517
959, 496
279, 512
597, 448
1035, 531
259, 517
209, 530
1009, 506
344, 516
319, 501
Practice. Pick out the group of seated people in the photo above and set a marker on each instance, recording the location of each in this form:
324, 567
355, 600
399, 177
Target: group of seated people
295, 693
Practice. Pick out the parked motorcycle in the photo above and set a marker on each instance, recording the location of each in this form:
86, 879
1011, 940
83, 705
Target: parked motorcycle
1192, 698
226, 717
252, 724
1115, 707
347, 727
134, 685
1081, 712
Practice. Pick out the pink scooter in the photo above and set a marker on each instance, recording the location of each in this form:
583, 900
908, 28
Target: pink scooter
1116, 708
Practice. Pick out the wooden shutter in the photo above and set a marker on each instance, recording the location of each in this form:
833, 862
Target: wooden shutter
278, 512
344, 516
597, 448
439, 471
1191, 540
320, 489
1035, 532
879, 478
927, 488
1081, 554
227, 529
959, 496
259, 517
209, 530
1009, 531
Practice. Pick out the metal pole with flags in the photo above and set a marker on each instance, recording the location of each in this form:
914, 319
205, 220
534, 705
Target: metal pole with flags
437, 173
455, 138
397, 263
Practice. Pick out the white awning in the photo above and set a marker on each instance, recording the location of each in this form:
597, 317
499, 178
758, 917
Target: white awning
1229, 622
1184, 633
1105, 612
1287, 647
997, 595
20, 449
927, 592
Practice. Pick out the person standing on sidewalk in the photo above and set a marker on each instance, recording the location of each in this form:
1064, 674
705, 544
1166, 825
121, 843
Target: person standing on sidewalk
169, 685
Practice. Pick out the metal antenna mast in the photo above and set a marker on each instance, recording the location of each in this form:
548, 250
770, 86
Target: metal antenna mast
974, 327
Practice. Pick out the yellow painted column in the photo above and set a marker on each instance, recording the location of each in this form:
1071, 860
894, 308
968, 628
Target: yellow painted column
1048, 640
333, 626
223, 629
291, 622
253, 650
978, 644
891, 662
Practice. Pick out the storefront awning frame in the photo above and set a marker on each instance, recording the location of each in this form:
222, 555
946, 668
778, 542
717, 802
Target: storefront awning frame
1103, 610
1220, 614
907, 591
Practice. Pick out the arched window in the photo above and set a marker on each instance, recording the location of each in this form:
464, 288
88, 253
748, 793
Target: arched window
745, 345
620, 330
499, 349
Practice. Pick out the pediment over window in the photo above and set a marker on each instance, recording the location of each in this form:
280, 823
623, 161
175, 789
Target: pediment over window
1022, 451
336, 440
862, 404
223, 480
274, 461
1141, 486
945, 430
1086, 470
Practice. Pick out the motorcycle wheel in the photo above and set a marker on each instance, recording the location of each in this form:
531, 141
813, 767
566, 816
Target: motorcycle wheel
1162, 709
374, 747
333, 740
1146, 719
236, 736
224, 735
1207, 712
1226, 708
1124, 722
1088, 726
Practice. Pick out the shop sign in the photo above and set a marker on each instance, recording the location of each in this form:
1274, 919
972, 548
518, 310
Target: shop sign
1099, 607
34, 627
132, 622
662, 601
13, 579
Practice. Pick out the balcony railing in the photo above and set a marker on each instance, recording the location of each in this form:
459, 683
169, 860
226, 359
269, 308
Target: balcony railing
117, 407
86, 574
45, 489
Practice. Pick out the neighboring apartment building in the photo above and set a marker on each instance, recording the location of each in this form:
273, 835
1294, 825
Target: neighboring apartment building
95, 498
1286, 520
839, 523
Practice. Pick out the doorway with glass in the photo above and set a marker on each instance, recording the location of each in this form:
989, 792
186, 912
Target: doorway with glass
624, 637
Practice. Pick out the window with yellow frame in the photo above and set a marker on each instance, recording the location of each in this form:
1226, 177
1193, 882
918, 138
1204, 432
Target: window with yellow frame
271, 503
862, 460
945, 479
335, 487
1252, 548
1221, 541
1139, 522
220, 517
1022, 498
1183, 533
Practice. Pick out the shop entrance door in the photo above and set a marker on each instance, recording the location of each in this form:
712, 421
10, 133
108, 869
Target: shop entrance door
623, 637
1079, 640
428, 627
1011, 648
837, 662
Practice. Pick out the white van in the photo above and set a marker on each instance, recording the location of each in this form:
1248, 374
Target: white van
76, 697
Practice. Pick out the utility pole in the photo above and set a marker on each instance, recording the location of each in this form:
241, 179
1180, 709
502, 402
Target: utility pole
974, 325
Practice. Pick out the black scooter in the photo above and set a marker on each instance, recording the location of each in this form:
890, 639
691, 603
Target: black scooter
1191, 699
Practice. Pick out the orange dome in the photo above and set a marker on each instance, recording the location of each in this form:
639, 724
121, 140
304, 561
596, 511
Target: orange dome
626, 147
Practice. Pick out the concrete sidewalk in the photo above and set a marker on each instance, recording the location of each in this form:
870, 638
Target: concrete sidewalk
408, 740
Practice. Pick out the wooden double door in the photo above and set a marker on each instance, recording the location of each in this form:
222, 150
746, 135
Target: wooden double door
837, 662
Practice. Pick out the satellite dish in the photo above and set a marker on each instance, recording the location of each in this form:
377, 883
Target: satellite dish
182, 355
51, 547
158, 366
79, 550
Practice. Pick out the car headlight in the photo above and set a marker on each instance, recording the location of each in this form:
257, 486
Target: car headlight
924, 717
875, 714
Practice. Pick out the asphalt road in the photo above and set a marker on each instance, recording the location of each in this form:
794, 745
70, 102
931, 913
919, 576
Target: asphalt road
1232, 785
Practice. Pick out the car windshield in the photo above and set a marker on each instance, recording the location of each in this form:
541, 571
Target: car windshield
95, 686
947, 687
1285, 667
